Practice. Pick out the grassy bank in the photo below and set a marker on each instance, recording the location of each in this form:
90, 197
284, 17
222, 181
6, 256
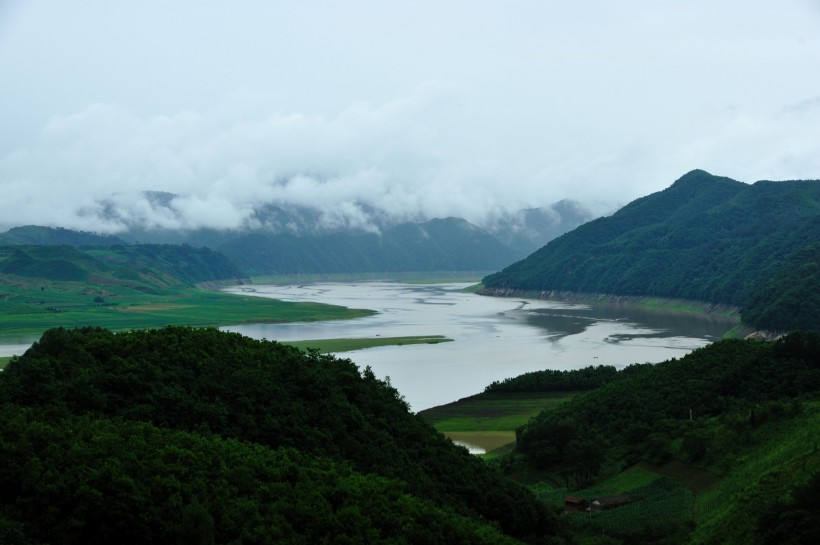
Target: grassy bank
4, 360
489, 420
346, 345
28, 309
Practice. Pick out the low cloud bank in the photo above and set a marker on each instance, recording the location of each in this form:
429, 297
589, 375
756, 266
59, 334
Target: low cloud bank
107, 170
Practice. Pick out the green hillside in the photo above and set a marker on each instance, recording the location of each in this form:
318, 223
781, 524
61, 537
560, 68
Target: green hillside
727, 438
124, 287
169, 262
151, 265
704, 238
199, 436
39, 235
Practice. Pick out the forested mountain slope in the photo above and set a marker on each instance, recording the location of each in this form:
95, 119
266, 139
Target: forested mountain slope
743, 413
791, 296
449, 244
156, 436
704, 238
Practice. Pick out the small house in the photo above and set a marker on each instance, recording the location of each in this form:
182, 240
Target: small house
609, 502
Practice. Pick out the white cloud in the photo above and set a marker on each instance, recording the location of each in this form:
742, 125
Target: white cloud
407, 109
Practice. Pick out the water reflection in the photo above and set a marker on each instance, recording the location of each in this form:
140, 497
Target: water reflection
574, 320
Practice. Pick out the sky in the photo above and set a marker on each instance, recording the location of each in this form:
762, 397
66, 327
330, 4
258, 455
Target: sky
413, 109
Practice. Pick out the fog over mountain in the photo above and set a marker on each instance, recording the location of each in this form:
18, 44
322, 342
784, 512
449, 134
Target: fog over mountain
187, 115
284, 173
524, 230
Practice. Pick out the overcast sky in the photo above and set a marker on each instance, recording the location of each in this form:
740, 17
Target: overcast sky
416, 108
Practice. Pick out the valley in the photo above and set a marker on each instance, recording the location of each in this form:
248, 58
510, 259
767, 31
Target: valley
410, 273
599, 371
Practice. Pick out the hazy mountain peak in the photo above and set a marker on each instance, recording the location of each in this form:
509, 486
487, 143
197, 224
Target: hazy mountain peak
695, 175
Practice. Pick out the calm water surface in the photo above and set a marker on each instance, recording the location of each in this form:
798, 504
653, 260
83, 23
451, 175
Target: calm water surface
494, 338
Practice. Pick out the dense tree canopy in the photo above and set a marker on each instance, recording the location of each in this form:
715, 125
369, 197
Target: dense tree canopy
791, 299
555, 380
206, 384
91, 480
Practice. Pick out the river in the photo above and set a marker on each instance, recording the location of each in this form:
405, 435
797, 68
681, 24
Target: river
493, 337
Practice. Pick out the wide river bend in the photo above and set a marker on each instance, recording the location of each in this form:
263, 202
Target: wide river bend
494, 337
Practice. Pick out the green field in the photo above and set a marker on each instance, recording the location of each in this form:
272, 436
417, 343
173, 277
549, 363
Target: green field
29, 308
4, 360
492, 411
326, 346
489, 420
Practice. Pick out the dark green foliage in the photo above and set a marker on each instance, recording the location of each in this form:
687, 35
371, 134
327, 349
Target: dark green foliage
791, 299
552, 380
637, 417
793, 522
704, 238
87, 480
437, 245
204, 380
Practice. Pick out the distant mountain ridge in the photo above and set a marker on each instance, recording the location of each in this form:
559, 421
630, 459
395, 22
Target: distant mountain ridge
704, 238
295, 241
39, 235
449, 244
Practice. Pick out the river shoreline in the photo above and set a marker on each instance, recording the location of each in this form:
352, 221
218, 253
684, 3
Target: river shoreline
718, 311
